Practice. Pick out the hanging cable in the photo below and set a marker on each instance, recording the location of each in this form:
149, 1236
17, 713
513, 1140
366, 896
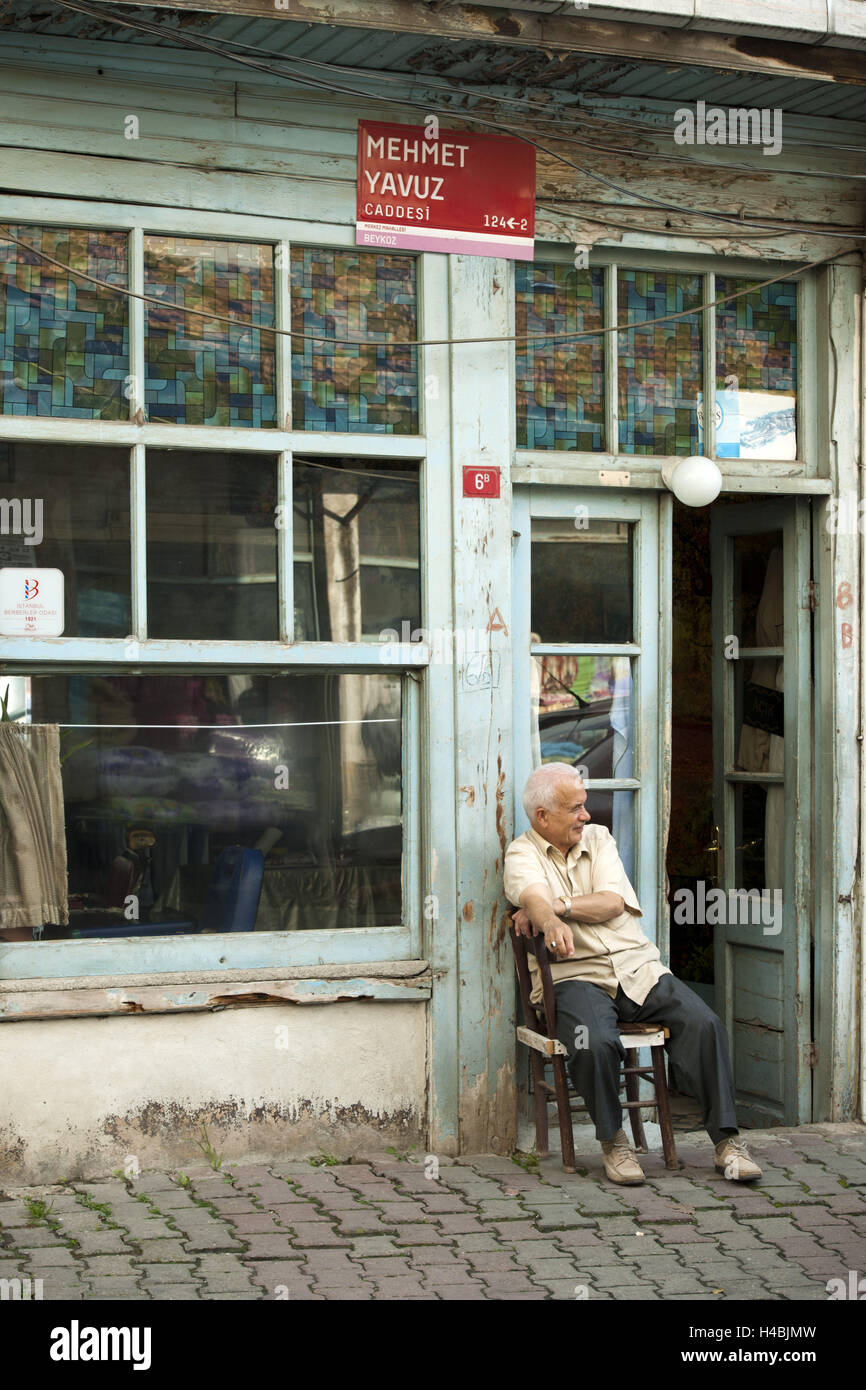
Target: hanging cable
209, 46
419, 342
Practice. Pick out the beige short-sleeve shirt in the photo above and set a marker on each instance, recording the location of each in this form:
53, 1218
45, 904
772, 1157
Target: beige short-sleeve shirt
611, 954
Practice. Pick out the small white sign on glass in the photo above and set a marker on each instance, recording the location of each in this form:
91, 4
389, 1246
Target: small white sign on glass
31, 602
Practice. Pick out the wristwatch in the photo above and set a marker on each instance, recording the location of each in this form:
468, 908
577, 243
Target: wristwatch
564, 902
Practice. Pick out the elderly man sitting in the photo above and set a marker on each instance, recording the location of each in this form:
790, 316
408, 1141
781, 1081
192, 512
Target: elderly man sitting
569, 883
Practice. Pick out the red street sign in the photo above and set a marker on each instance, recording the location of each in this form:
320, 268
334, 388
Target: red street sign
457, 192
480, 482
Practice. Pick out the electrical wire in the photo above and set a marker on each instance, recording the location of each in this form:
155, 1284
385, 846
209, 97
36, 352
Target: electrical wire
422, 342
209, 46
452, 86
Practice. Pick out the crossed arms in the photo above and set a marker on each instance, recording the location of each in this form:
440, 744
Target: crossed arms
539, 911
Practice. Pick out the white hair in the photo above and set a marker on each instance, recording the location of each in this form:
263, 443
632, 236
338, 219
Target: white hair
540, 790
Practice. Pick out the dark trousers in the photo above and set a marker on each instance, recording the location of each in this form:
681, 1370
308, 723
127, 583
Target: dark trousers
698, 1049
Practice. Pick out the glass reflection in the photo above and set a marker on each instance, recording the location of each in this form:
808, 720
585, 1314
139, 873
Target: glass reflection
74, 504
167, 779
582, 580
356, 549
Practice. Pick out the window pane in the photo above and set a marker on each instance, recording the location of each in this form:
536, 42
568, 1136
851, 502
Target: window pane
759, 600
64, 346
582, 581
164, 776
74, 503
344, 386
756, 371
758, 859
660, 365
211, 546
560, 383
202, 371
759, 715
584, 713
356, 539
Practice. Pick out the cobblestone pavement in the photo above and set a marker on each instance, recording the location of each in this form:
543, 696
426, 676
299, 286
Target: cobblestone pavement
487, 1228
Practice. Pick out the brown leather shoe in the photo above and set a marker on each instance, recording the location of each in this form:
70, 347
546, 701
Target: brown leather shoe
620, 1163
734, 1160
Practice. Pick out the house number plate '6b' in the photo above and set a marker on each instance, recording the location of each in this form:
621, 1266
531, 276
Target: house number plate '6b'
480, 482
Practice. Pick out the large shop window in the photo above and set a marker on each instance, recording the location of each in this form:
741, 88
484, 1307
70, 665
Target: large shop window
234, 758
166, 777
744, 356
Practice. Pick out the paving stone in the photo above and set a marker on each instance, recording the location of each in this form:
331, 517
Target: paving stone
561, 1218
27, 1238
268, 1247
172, 1293
358, 1224
50, 1258
518, 1230
221, 1263
15, 1213
501, 1210
437, 1277
400, 1287
420, 1234
101, 1243
477, 1244
433, 1255
157, 1251
384, 1266
255, 1223
224, 1283
112, 1264
166, 1274
304, 1234
114, 1288
366, 1246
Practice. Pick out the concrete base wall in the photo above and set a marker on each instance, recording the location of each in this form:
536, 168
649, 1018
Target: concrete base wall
80, 1096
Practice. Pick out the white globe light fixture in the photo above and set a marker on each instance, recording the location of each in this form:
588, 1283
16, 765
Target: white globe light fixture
695, 481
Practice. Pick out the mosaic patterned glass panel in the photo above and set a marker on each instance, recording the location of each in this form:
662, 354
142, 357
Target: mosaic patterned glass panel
756, 370
560, 382
64, 347
341, 386
201, 371
660, 365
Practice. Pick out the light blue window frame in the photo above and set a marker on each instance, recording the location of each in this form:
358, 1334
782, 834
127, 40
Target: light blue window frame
809, 464
138, 654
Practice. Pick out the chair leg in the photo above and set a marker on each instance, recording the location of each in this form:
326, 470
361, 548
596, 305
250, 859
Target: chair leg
632, 1092
566, 1134
664, 1109
542, 1141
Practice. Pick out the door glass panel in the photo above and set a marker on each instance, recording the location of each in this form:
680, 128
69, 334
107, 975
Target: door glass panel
758, 594
583, 713
211, 546
759, 837
759, 715
582, 580
615, 811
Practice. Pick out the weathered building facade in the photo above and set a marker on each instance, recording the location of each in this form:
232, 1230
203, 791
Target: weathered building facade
248, 504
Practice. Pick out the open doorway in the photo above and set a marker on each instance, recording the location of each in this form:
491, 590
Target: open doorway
740, 832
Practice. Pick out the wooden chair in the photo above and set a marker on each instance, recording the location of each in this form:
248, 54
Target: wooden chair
545, 1049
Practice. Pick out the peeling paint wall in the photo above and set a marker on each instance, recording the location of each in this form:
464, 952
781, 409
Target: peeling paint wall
79, 1096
